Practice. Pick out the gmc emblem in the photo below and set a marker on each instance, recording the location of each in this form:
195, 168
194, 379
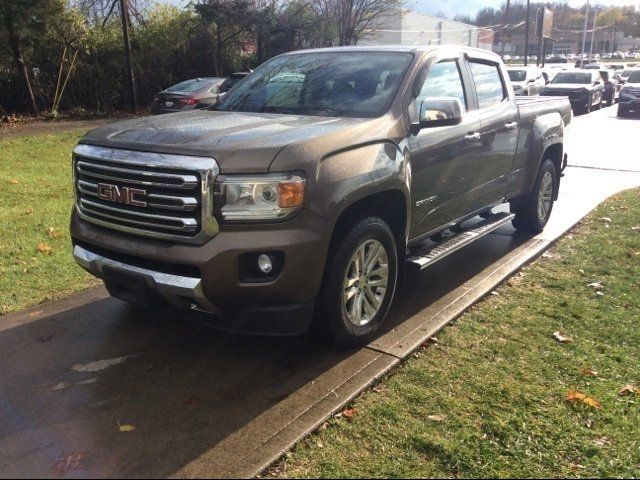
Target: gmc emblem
126, 195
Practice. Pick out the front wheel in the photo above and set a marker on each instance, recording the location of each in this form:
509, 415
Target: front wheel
532, 215
359, 284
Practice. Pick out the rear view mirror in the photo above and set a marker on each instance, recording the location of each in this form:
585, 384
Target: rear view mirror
440, 112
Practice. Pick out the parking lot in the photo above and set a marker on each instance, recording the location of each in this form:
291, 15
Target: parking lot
93, 387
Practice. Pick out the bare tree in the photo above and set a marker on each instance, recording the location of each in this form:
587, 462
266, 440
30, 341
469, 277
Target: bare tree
353, 19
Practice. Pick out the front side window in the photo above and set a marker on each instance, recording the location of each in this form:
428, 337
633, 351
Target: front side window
488, 81
443, 80
635, 77
348, 83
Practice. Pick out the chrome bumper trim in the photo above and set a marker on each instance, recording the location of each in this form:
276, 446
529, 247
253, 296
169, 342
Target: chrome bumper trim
174, 288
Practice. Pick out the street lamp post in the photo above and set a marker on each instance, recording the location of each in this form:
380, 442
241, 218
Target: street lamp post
584, 36
593, 34
526, 35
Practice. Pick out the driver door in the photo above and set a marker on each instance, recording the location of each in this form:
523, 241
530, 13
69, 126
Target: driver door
442, 158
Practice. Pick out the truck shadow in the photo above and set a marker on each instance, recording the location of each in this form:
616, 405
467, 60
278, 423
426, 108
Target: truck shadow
183, 386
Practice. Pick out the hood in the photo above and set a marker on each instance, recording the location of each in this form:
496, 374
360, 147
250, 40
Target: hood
567, 86
240, 142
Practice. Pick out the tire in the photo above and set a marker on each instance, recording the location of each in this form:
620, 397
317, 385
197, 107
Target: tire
350, 321
589, 106
533, 214
622, 112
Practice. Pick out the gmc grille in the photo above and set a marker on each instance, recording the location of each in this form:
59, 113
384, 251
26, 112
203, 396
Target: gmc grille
155, 195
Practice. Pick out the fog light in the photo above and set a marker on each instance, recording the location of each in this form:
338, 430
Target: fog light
265, 264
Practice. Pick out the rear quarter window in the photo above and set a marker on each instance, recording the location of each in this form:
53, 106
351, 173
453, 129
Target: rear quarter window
489, 84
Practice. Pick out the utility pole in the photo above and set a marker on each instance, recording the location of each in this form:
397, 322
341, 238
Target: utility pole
584, 36
526, 35
504, 28
593, 34
124, 16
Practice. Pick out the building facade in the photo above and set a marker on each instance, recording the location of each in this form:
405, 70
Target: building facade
407, 27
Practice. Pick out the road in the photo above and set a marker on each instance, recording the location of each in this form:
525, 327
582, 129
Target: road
193, 401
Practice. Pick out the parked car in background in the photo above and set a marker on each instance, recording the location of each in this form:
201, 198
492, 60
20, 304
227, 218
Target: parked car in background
618, 66
526, 81
630, 95
624, 76
230, 81
558, 59
583, 87
611, 85
188, 95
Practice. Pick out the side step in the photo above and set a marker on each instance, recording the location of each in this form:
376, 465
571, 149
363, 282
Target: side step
459, 240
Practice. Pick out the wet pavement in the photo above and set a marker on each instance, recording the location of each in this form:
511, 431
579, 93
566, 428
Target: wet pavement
193, 401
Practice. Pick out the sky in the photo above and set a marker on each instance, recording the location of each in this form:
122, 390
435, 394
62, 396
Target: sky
451, 8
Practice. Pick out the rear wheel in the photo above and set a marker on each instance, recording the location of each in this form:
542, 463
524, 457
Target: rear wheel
533, 214
359, 284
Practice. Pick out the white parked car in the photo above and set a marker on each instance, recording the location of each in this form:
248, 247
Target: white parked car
526, 81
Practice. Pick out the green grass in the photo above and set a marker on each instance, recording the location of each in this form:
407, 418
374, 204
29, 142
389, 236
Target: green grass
36, 197
501, 380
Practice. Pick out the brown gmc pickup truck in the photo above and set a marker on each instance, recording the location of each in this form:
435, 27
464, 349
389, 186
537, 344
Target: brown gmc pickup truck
314, 185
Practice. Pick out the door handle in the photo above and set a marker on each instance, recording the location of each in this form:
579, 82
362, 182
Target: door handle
472, 137
511, 126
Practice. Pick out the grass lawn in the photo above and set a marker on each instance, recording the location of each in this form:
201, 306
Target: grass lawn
489, 399
36, 197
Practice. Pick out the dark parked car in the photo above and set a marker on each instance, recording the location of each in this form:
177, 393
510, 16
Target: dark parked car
630, 95
314, 185
583, 87
188, 95
230, 81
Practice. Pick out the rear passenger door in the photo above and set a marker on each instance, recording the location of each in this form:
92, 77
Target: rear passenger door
499, 129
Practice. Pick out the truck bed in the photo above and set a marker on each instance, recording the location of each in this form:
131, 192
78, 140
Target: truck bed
537, 106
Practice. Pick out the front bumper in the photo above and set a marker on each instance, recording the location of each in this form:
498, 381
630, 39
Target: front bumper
629, 102
207, 277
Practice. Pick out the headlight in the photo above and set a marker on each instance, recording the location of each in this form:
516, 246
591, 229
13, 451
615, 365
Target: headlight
259, 197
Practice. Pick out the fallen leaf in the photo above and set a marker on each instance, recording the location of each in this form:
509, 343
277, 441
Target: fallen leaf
66, 463
495, 294
29, 211
44, 248
349, 413
606, 219
562, 338
13, 181
53, 233
596, 286
629, 390
126, 428
602, 441
573, 396
587, 372
600, 293
319, 444
635, 229
437, 418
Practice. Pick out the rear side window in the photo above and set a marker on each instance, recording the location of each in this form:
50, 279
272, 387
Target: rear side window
443, 80
489, 86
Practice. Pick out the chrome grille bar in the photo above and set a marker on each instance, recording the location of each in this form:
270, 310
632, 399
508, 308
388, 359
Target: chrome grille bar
138, 177
173, 193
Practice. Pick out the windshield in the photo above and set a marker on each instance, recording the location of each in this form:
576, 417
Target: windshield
517, 75
626, 73
572, 77
634, 77
350, 84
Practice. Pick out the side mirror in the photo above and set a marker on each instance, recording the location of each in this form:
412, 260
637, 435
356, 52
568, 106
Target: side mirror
440, 112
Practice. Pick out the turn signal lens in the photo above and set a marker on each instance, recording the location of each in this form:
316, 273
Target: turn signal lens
291, 194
